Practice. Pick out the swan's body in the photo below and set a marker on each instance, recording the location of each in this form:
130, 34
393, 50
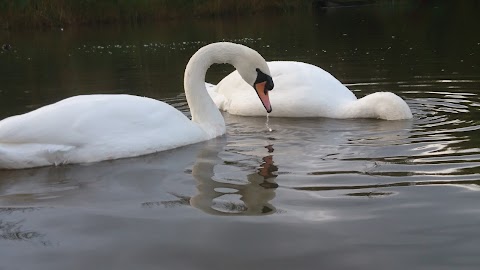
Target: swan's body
304, 90
92, 128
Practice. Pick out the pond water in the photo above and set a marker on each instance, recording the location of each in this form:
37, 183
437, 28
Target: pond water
313, 193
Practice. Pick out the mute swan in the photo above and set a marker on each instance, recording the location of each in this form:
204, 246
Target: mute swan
91, 128
304, 90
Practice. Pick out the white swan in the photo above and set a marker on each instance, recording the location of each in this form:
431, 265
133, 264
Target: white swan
92, 128
304, 90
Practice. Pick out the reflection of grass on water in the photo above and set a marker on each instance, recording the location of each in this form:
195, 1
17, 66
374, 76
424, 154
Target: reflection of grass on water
370, 194
64, 12
14, 231
10, 210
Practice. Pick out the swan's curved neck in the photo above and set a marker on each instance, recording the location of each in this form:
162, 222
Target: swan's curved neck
203, 109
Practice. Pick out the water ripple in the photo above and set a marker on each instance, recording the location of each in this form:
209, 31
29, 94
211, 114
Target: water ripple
438, 142
438, 147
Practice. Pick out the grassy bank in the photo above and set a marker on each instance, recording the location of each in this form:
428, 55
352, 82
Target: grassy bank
51, 13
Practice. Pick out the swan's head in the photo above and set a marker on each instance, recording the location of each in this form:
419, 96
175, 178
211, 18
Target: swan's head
253, 68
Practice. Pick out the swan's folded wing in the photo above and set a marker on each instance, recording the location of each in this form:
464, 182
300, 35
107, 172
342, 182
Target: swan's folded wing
83, 119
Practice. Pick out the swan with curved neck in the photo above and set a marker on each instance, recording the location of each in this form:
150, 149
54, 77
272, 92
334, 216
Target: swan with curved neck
304, 90
91, 128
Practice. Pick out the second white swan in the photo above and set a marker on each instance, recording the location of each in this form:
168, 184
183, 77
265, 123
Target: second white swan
92, 128
304, 90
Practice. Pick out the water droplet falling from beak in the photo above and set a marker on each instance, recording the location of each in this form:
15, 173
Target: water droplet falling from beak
266, 123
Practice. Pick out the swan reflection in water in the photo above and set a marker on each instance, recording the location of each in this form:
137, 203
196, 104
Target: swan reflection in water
255, 195
146, 181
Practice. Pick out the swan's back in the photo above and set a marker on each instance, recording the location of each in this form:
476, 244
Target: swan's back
80, 119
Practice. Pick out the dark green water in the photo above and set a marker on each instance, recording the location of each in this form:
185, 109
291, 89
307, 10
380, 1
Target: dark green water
312, 194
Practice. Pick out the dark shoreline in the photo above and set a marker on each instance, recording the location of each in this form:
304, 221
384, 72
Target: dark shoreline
55, 13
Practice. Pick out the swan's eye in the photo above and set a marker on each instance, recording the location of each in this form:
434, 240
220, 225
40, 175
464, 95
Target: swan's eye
262, 77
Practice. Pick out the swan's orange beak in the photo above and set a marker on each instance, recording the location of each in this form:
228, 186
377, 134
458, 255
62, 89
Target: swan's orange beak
262, 93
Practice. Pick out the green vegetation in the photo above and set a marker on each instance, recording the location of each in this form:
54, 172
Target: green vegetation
50, 13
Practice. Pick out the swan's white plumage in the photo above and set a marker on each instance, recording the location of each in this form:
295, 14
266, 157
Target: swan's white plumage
92, 128
304, 90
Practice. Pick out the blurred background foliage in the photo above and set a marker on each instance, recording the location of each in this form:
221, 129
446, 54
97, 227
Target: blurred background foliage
18, 13
58, 13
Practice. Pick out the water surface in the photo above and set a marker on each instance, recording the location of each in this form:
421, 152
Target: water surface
313, 193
